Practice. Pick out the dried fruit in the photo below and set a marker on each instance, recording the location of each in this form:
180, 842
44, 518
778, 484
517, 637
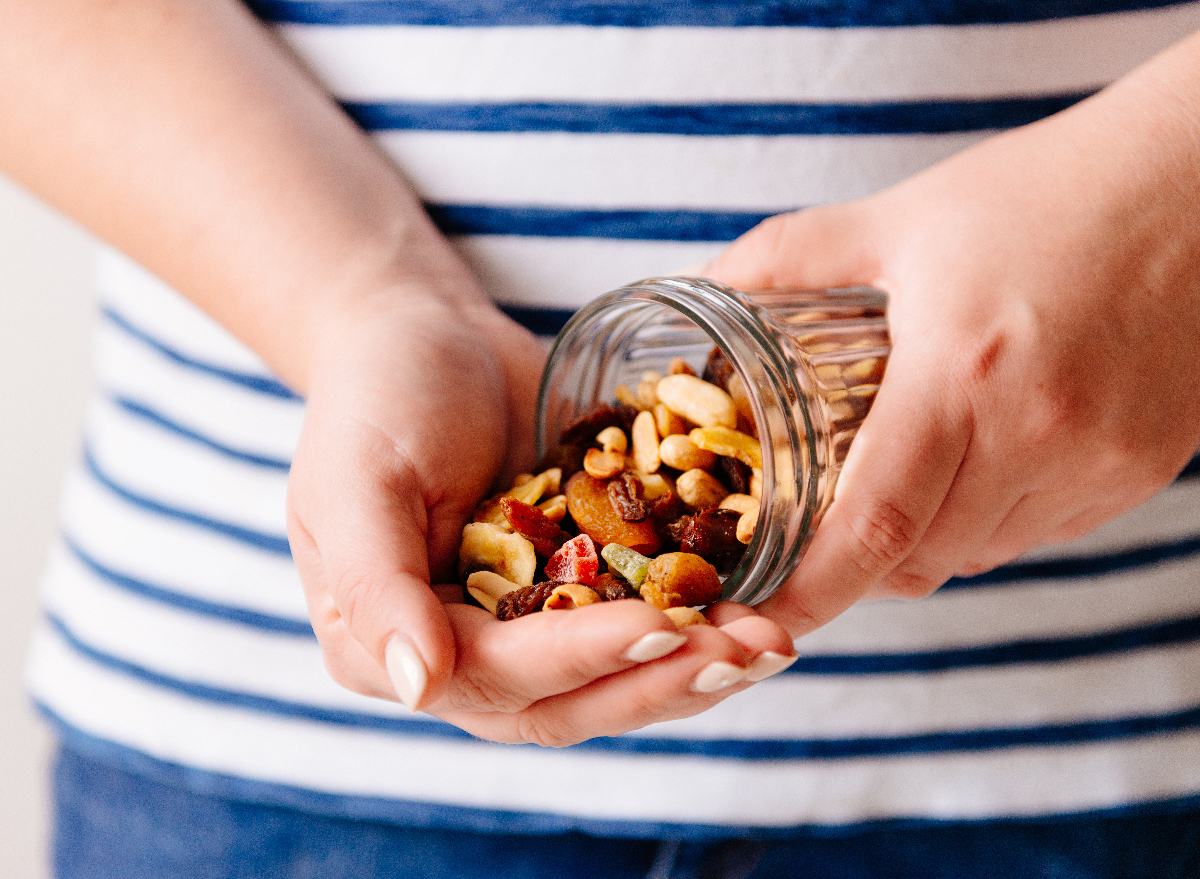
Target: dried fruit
488, 547
593, 513
575, 562
629, 564
625, 492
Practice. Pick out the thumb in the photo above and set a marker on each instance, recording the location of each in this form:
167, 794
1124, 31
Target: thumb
363, 558
828, 246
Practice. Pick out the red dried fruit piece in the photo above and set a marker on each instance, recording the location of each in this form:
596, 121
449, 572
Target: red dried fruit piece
575, 562
530, 522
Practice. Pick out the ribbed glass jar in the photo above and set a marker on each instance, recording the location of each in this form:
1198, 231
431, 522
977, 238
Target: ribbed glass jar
811, 362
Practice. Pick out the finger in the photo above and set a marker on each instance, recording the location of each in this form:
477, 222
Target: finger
364, 542
504, 666
809, 249
768, 643
706, 669
897, 474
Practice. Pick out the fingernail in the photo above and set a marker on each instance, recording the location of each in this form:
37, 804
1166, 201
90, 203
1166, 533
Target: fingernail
769, 663
407, 671
654, 646
717, 676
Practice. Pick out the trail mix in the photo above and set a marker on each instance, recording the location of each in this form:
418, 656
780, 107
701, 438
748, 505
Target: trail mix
654, 496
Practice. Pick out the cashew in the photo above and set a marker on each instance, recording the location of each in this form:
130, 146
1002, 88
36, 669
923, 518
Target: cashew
534, 489
568, 596
603, 465
747, 523
492, 548
699, 489
555, 507
698, 401
680, 452
738, 502
613, 439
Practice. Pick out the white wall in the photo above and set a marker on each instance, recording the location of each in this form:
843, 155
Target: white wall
45, 320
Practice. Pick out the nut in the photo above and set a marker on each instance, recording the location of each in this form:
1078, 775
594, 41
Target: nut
680, 579
683, 617
613, 439
738, 502
568, 596
646, 392
645, 443
680, 452
554, 508
747, 524
534, 489
699, 489
667, 422
698, 401
603, 465
728, 442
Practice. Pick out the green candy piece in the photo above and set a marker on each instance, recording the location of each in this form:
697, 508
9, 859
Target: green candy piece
629, 564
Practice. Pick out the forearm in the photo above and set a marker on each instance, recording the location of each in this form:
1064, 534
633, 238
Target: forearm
184, 134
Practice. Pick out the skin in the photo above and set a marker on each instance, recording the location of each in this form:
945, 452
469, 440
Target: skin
184, 134
1045, 311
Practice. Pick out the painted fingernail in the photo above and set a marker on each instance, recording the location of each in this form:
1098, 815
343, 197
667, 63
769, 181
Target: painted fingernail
769, 663
654, 646
407, 671
717, 676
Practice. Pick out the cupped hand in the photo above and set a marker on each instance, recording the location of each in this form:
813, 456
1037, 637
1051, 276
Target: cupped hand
1044, 305
415, 410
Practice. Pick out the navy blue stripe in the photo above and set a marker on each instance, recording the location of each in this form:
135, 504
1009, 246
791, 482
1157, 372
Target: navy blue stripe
542, 321
741, 749
1042, 650
682, 13
713, 120
420, 814
251, 381
192, 604
551, 222
153, 416
277, 544
1082, 566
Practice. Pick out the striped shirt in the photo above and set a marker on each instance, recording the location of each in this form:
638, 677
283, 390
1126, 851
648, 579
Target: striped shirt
568, 147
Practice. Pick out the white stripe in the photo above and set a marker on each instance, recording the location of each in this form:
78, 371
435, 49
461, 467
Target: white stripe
567, 272
168, 316
1016, 781
634, 171
148, 460
792, 707
177, 556
678, 64
227, 413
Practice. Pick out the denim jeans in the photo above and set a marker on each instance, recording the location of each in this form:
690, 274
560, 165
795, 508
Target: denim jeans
115, 824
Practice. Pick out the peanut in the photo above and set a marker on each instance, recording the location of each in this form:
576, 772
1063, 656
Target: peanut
683, 617
728, 442
645, 443
699, 489
698, 401
747, 523
680, 452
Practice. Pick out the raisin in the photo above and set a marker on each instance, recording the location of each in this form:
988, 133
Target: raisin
712, 535
626, 494
734, 473
612, 588
524, 601
717, 369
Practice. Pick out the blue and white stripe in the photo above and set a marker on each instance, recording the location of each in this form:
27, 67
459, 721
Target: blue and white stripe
567, 148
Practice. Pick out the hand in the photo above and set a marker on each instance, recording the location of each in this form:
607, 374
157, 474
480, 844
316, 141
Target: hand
415, 410
1045, 315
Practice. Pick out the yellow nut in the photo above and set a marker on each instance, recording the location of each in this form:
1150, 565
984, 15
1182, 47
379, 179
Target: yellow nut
626, 396
746, 524
646, 392
655, 485
603, 465
699, 489
645, 443
667, 422
532, 490
698, 401
738, 502
488, 547
756, 482
683, 617
613, 439
568, 596
728, 442
490, 583
680, 452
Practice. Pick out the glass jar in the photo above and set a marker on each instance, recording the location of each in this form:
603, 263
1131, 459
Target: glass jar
810, 361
